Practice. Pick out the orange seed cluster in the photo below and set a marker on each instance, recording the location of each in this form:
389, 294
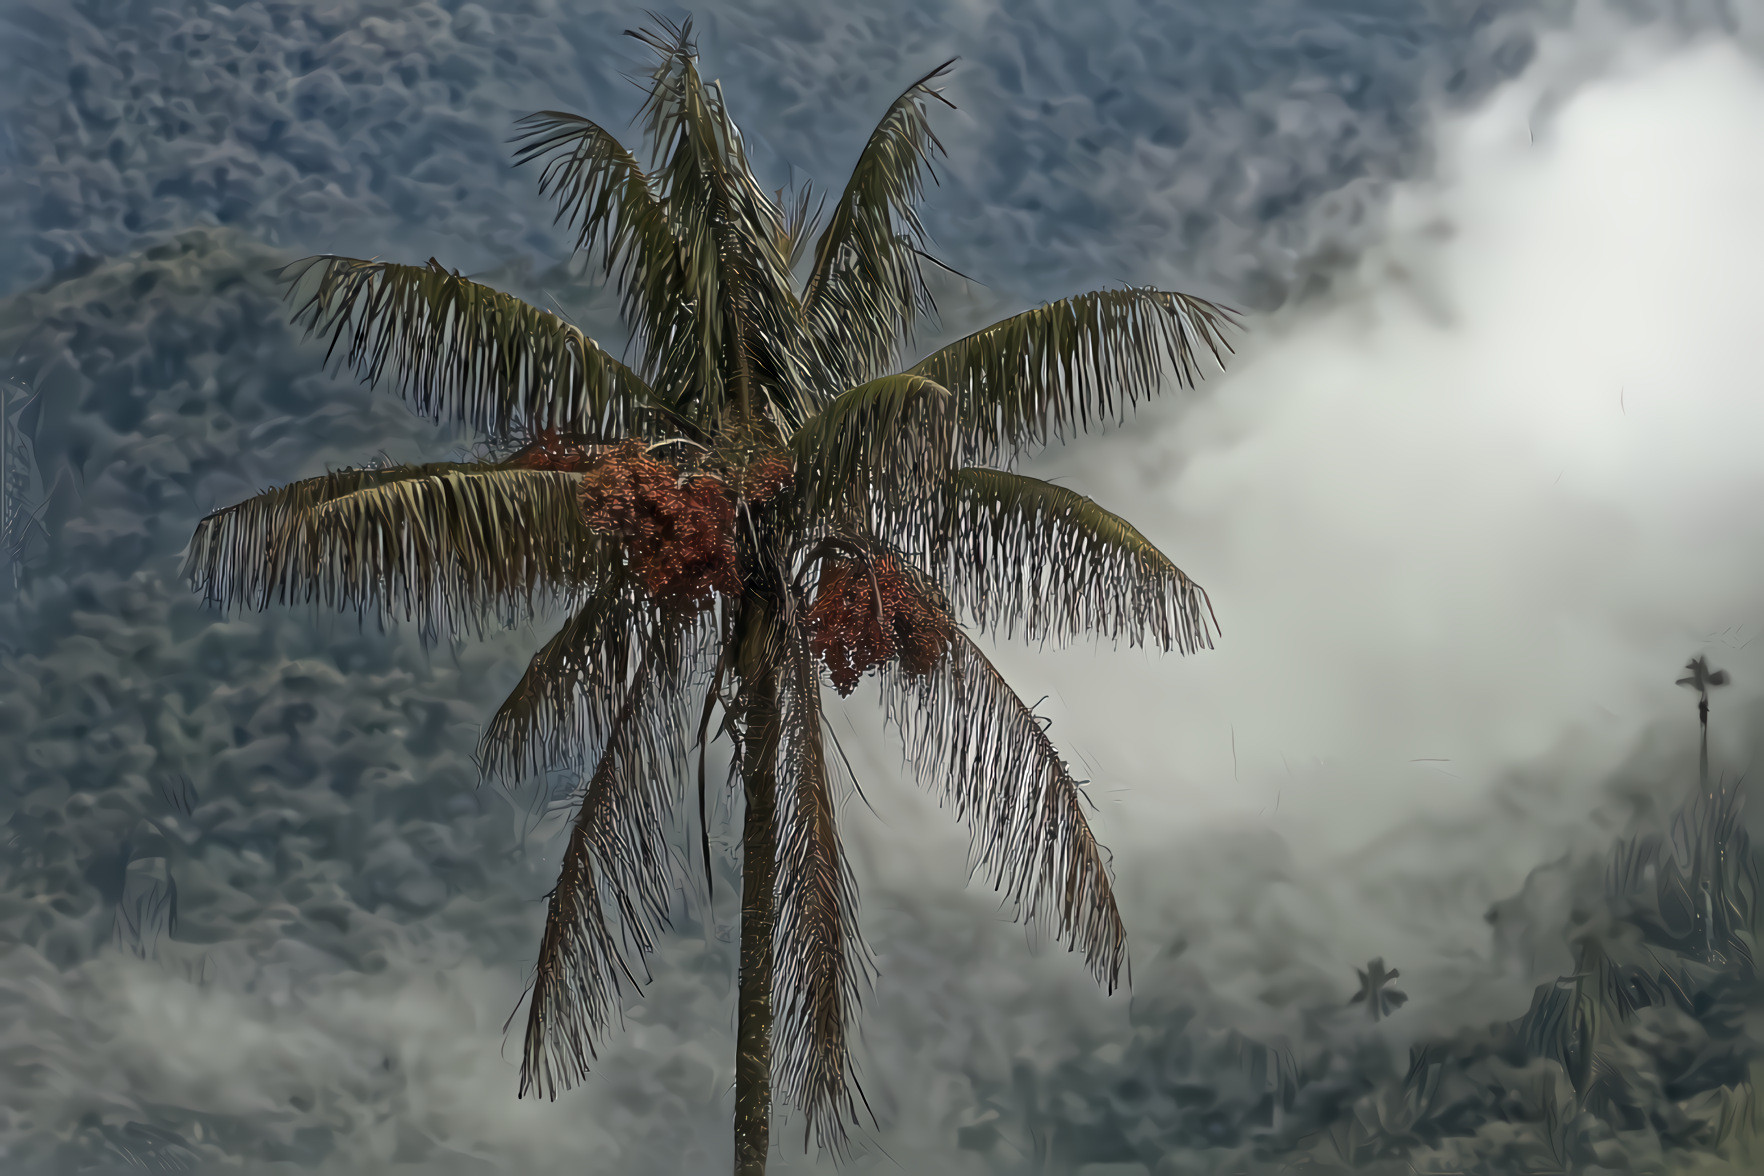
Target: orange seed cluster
679, 532
857, 625
551, 450
764, 477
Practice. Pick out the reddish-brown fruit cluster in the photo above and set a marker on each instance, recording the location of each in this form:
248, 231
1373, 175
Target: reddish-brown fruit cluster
766, 476
679, 533
858, 625
551, 450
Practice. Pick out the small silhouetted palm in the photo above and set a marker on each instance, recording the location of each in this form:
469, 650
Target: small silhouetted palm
1702, 679
1376, 992
763, 501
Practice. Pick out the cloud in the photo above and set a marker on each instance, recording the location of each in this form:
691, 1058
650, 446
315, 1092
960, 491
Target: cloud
1462, 521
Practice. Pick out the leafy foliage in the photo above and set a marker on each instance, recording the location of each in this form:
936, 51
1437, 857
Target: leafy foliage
570, 695
1380, 997
459, 351
613, 890
18, 477
966, 730
867, 288
1069, 366
1021, 553
746, 331
439, 544
885, 446
822, 961
761, 497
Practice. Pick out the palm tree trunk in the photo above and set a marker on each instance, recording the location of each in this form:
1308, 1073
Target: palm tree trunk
759, 867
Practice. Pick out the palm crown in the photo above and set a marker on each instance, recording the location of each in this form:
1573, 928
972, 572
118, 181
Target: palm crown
764, 501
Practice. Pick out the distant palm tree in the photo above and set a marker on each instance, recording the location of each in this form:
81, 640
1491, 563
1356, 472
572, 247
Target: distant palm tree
763, 499
1380, 996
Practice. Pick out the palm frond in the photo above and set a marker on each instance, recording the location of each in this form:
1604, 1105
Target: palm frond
1023, 553
885, 445
600, 188
821, 961
603, 192
1070, 365
437, 544
867, 287
965, 728
564, 705
460, 351
743, 342
613, 890
799, 224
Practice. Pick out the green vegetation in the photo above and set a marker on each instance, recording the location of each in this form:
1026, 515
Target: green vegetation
765, 499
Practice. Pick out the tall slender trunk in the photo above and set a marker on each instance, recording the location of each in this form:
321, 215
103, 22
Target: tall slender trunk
759, 867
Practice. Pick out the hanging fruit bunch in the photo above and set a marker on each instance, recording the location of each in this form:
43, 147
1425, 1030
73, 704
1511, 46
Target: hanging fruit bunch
679, 529
551, 450
755, 467
767, 475
859, 623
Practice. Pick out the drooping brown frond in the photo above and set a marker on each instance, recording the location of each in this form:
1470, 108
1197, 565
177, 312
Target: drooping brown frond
867, 287
460, 351
563, 708
1021, 552
821, 961
437, 544
1070, 365
613, 890
878, 452
966, 730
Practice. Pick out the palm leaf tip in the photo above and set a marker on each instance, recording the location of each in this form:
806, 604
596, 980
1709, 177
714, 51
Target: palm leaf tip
460, 351
821, 962
1079, 363
443, 544
966, 730
866, 287
614, 888
1026, 554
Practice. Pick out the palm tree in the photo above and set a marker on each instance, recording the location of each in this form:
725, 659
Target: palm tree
764, 502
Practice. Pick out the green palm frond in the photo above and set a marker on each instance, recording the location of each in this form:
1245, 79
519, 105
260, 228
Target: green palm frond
867, 287
885, 445
437, 544
460, 351
966, 729
601, 190
821, 962
799, 224
728, 460
729, 230
563, 707
1023, 553
1071, 365
604, 194
613, 891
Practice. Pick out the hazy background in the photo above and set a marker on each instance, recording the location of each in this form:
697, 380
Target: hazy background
1484, 475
